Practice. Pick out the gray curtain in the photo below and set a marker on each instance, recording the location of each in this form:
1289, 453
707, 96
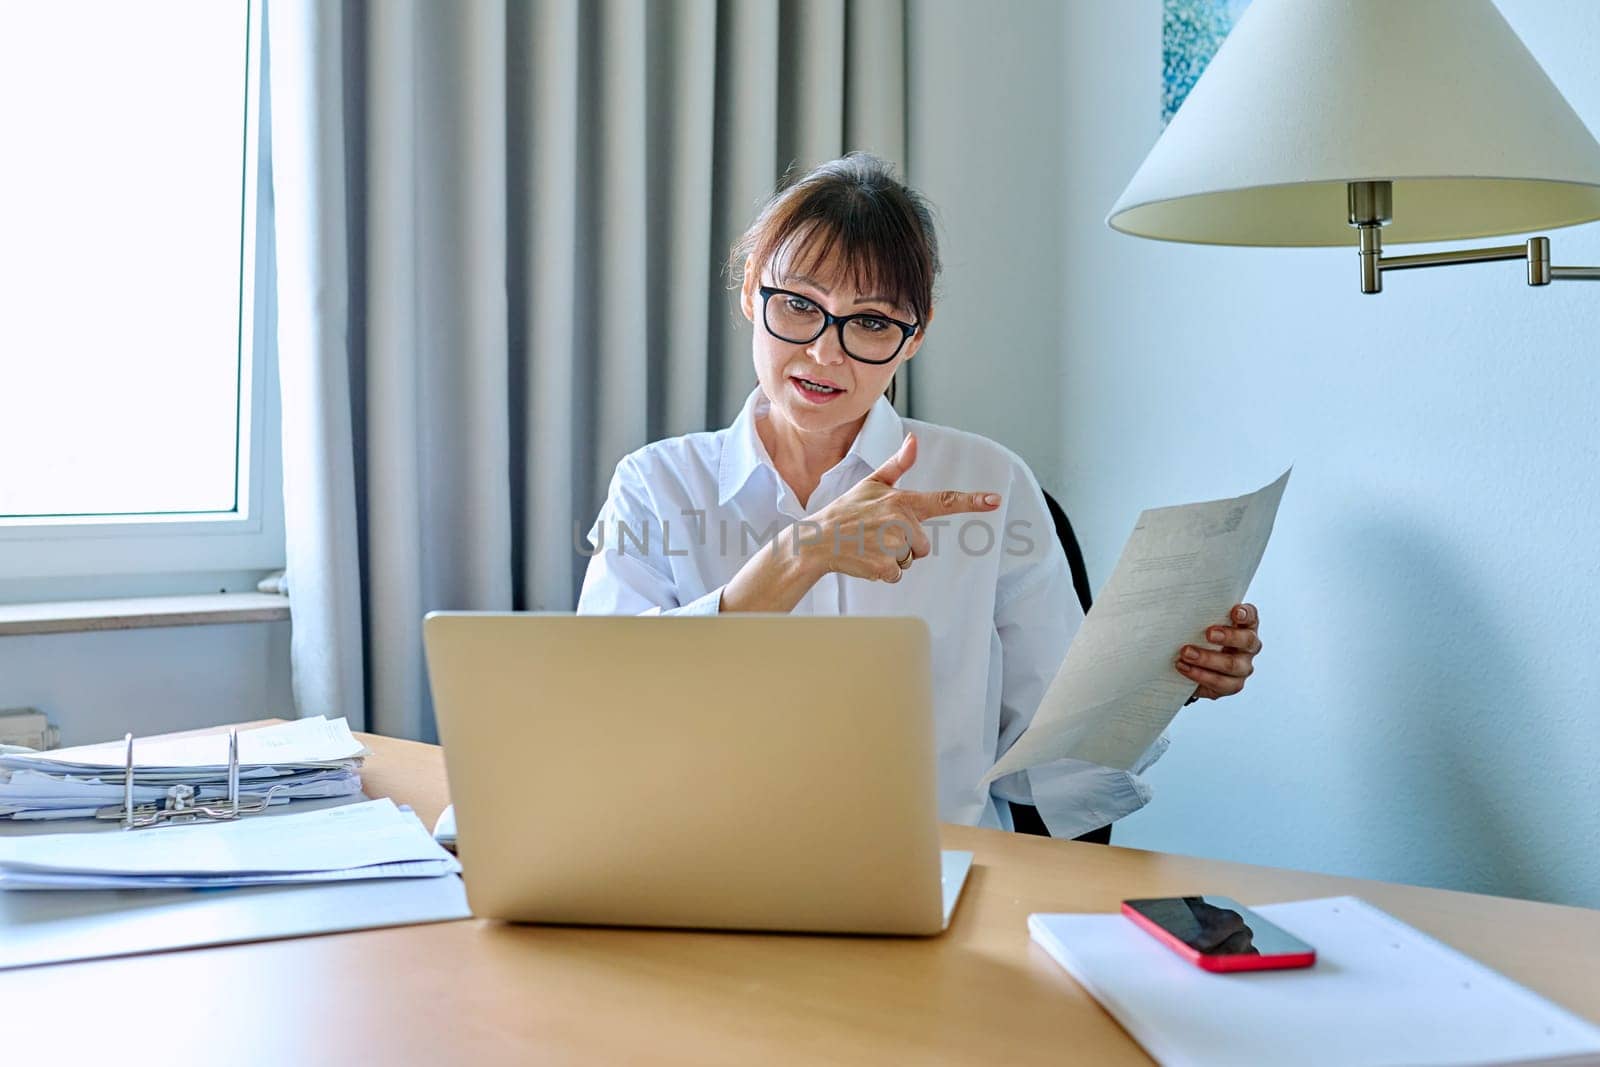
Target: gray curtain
501, 234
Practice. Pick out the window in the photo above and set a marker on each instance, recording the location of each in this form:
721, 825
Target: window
138, 422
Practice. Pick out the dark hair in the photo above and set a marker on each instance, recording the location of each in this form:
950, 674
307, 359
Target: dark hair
885, 230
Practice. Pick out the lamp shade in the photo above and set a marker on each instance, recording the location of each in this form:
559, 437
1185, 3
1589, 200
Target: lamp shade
1439, 97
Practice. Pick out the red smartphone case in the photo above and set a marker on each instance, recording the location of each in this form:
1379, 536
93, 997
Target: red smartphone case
1220, 964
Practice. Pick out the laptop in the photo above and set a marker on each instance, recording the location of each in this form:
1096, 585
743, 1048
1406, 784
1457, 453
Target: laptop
758, 772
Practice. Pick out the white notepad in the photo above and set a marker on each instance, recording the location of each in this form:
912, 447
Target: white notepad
1380, 993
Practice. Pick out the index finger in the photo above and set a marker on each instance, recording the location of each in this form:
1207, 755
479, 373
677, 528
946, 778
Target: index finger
950, 502
1245, 615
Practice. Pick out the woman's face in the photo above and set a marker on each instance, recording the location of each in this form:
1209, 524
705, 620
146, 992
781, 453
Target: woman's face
816, 387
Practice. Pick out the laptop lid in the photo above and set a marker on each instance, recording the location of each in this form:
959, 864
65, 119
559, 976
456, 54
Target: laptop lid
764, 772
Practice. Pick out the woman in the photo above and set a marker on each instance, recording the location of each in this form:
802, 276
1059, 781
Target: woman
819, 499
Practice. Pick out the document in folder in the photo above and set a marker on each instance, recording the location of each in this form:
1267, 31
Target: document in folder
299, 743
372, 836
1180, 573
83, 895
300, 760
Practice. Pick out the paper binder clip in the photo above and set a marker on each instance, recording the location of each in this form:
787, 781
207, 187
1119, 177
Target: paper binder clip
180, 805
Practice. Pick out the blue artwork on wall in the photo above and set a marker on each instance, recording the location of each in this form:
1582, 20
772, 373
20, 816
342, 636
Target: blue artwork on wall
1191, 33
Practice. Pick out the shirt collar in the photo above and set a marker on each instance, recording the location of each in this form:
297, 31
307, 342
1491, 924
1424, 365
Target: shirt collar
880, 436
743, 453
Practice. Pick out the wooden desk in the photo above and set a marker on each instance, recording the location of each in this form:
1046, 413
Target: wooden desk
481, 993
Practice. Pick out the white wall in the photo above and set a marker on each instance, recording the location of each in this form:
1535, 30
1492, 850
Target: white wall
96, 686
986, 150
1425, 708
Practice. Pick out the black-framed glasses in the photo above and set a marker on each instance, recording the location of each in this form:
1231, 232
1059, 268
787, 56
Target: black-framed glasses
867, 337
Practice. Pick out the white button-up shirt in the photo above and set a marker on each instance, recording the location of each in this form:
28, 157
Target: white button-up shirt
683, 515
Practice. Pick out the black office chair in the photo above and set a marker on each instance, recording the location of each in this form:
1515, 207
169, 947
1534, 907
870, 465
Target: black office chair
1025, 817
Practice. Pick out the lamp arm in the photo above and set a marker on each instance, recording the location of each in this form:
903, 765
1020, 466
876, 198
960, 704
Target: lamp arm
1370, 211
1497, 254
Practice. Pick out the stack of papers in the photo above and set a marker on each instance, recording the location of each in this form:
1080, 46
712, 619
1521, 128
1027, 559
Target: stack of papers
301, 759
368, 840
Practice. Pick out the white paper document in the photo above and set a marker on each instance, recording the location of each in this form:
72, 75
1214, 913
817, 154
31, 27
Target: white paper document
355, 836
40, 928
300, 743
1181, 571
1380, 992
305, 873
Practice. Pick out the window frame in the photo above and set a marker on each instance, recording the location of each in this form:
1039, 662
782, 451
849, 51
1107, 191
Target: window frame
92, 556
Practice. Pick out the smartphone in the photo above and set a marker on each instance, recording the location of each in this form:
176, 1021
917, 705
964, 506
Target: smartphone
1219, 934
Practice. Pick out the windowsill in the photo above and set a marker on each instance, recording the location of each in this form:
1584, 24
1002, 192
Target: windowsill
79, 616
